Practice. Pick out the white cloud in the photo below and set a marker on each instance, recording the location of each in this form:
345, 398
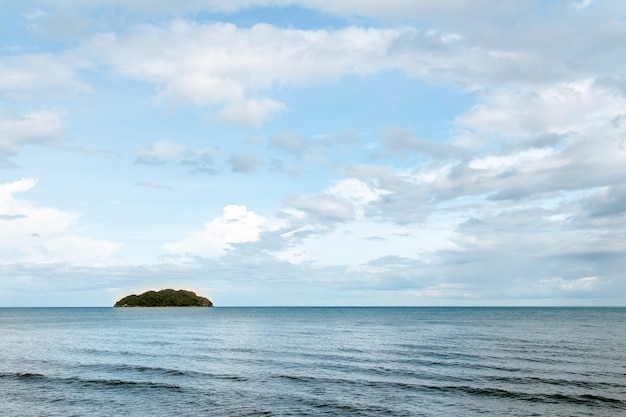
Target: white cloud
34, 128
244, 162
540, 141
30, 232
164, 151
225, 68
250, 113
560, 108
231, 71
235, 225
326, 207
402, 143
357, 243
580, 284
363, 234
354, 190
343, 201
289, 142
507, 161
31, 75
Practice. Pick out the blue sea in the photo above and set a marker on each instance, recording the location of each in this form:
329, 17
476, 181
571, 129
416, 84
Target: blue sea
312, 361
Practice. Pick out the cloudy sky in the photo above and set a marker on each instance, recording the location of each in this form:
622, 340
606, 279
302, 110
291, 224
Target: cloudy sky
307, 152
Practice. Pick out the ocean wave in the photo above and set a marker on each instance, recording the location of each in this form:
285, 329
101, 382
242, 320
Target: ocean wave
534, 381
591, 400
583, 399
158, 372
28, 377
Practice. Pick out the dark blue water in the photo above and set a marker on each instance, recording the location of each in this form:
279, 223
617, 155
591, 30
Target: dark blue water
313, 361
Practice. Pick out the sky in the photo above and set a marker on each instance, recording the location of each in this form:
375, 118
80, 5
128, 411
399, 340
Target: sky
313, 153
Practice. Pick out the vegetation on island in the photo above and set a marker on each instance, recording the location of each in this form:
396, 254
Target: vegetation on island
165, 298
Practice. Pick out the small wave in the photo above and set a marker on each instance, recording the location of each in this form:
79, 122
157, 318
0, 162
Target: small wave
157, 371
23, 376
27, 377
162, 371
123, 384
398, 385
585, 399
255, 413
597, 398
124, 368
324, 406
295, 378
552, 381
351, 382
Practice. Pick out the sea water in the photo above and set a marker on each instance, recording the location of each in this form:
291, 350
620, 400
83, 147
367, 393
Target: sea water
312, 361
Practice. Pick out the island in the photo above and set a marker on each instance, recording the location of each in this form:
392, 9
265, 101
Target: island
165, 298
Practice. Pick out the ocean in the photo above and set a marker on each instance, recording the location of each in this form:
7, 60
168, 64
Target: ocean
231, 361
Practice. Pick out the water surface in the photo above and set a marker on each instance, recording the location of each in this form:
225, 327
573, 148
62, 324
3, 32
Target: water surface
312, 361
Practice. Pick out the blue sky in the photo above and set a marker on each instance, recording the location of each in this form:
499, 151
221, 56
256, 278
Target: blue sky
298, 152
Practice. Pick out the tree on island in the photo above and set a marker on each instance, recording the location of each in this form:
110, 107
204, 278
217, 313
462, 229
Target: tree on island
165, 298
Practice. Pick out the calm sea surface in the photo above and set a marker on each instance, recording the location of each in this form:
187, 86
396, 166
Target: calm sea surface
313, 362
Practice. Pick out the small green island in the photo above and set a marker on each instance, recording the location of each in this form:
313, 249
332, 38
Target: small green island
165, 298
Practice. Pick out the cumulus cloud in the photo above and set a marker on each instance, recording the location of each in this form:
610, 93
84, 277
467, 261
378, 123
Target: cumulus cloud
345, 225
34, 128
164, 152
533, 192
557, 109
343, 201
362, 243
540, 142
235, 225
580, 284
244, 163
31, 232
522, 146
250, 113
606, 202
518, 206
399, 142
231, 70
325, 206
290, 142
228, 69
25, 76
